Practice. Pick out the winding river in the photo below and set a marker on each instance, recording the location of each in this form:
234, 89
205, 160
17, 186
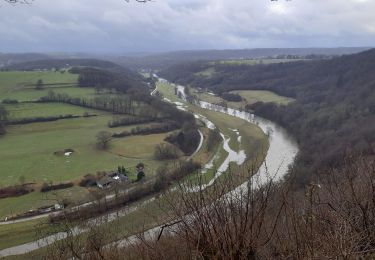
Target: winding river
282, 147
281, 153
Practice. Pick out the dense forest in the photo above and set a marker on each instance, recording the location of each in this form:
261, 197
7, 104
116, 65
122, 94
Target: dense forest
334, 111
164, 60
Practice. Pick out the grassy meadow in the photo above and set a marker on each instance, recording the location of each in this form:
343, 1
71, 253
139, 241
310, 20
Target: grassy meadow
249, 97
27, 151
254, 142
253, 96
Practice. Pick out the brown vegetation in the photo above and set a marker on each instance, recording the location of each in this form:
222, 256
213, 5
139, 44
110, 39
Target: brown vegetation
332, 218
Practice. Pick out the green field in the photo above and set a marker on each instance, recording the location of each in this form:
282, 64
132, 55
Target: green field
11, 81
253, 143
252, 96
28, 110
207, 72
249, 96
28, 150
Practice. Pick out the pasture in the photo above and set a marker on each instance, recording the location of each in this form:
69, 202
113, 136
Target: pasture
253, 96
249, 97
32, 152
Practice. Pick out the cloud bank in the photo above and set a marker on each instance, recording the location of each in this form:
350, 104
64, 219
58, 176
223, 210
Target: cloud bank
114, 26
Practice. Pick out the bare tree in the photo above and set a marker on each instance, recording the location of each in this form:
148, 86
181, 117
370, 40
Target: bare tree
103, 139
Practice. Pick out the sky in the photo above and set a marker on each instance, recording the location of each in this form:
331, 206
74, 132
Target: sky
115, 26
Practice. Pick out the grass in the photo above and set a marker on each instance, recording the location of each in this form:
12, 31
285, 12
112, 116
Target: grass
250, 97
28, 150
16, 80
253, 96
155, 212
254, 142
20, 233
32, 147
35, 200
28, 110
209, 72
34, 95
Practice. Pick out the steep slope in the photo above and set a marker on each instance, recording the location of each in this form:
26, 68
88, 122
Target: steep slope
334, 111
164, 60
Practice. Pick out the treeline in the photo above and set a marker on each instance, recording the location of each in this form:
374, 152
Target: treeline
14, 191
334, 111
126, 121
231, 97
3, 119
187, 139
116, 105
30, 120
122, 81
138, 104
50, 187
148, 130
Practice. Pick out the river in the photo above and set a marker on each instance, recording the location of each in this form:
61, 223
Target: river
281, 153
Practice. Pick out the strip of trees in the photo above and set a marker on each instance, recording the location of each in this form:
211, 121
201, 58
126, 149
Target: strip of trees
3, 119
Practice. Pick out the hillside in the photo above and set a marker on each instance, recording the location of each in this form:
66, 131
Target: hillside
164, 60
334, 109
45, 64
7, 59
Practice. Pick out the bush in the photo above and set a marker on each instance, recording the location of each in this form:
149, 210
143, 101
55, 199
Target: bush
49, 187
231, 97
166, 152
140, 175
129, 121
9, 101
88, 180
213, 139
14, 191
161, 181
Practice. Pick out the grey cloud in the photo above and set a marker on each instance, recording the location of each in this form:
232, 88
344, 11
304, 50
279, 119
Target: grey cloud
116, 26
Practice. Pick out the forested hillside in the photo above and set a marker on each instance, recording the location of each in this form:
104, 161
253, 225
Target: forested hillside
7, 59
334, 111
164, 60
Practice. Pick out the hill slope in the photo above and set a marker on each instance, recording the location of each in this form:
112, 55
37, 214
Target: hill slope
334, 111
164, 60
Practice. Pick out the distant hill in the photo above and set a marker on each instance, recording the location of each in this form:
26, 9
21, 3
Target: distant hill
164, 60
63, 63
334, 111
7, 59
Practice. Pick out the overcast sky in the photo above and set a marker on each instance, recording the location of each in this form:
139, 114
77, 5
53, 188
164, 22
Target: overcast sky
112, 26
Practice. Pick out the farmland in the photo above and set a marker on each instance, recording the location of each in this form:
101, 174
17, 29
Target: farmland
249, 97
31, 153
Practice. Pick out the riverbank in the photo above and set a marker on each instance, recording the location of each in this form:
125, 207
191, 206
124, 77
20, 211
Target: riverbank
237, 128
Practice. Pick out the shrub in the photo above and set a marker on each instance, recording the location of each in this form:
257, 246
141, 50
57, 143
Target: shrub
231, 97
14, 191
88, 180
166, 152
9, 101
49, 187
